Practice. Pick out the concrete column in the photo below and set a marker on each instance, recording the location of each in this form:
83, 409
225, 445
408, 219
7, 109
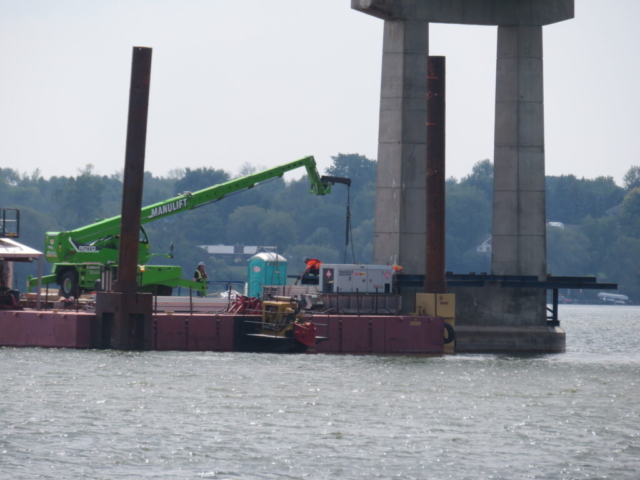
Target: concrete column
497, 318
400, 231
519, 235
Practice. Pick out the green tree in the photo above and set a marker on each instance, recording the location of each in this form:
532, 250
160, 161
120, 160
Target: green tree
79, 199
468, 206
243, 223
360, 169
562, 199
568, 252
481, 177
9, 177
200, 178
277, 229
363, 205
570, 200
362, 243
156, 189
631, 179
623, 266
322, 236
456, 254
468, 215
630, 214
601, 234
600, 194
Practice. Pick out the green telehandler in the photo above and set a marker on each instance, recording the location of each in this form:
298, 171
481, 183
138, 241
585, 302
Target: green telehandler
79, 256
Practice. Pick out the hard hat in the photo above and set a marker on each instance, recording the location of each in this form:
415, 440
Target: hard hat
306, 259
201, 264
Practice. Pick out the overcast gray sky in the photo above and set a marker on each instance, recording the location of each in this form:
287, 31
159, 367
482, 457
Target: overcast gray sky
270, 81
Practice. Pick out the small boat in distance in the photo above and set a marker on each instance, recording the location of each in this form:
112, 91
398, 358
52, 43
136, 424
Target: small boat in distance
613, 298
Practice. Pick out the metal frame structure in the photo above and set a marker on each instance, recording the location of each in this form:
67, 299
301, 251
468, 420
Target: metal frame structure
552, 283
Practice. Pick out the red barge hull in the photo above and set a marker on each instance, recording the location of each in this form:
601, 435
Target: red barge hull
376, 334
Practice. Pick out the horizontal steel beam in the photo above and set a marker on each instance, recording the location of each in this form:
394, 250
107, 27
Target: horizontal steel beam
511, 281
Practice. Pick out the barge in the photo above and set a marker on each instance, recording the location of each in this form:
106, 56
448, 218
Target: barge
335, 334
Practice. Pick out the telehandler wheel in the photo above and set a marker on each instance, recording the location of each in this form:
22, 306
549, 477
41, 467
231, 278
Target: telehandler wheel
69, 284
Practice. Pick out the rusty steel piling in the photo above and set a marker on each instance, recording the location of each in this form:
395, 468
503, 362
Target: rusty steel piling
124, 316
435, 281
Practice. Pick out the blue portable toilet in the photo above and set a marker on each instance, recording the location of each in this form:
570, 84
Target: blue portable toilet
265, 268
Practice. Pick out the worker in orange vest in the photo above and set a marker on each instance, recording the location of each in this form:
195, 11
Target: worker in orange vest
313, 266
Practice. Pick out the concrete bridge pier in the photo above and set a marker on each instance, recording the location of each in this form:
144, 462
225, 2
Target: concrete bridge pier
493, 317
400, 221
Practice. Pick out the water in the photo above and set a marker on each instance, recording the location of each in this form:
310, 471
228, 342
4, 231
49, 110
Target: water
176, 415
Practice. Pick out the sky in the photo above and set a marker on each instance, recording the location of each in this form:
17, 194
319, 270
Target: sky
266, 82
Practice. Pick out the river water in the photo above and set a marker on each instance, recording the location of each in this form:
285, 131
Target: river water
72, 414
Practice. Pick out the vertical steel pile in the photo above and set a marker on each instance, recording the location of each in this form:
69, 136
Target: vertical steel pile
124, 316
435, 281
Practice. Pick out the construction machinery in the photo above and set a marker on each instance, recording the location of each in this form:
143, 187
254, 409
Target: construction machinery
281, 326
80, 256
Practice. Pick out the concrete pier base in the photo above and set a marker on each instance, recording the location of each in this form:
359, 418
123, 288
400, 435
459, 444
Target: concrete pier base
493, 318
504, 339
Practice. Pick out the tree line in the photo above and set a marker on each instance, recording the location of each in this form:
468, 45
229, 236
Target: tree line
601, 234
